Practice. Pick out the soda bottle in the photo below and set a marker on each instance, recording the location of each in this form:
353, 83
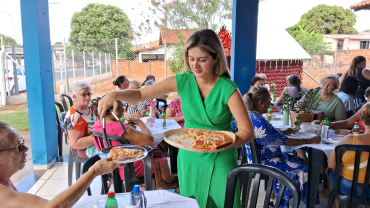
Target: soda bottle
269, 114
111, 201
274, 98
297, 123
356, 128
325, 128
163, 117
147, 112
123, 119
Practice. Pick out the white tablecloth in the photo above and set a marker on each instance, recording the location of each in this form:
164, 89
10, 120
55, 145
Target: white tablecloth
158, 132
326, 148
155, 199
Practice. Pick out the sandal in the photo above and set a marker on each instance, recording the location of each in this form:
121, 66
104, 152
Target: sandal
325, 193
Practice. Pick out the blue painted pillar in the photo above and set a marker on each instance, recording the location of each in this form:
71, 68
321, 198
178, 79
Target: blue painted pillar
244, 42
39, 79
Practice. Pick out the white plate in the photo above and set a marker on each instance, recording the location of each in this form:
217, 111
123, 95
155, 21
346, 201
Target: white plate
277, 116
179, 138
104, 153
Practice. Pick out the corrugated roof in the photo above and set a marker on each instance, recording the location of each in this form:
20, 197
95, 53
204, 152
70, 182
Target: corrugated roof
346, 36
148, 46
275, 44
365, 4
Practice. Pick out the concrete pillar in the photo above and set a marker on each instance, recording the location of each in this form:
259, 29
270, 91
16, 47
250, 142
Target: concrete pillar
39, 79
244, 32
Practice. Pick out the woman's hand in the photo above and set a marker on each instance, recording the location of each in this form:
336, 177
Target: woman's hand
105, 166
136, 115
315, 140
288, 131
106, 102
136, 121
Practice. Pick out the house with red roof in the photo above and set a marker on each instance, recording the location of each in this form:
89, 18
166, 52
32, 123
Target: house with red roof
363, 5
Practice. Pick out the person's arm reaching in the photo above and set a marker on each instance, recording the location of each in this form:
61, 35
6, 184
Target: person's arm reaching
170, 114
10, 198
245, 128
133, 96
297, 142
345, 124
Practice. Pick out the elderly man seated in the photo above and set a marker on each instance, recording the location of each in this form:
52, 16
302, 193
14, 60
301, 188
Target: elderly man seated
13, 158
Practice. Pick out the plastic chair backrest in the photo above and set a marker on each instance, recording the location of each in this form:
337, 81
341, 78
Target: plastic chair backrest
161, 101
249, 171
87, 165
61, 109
62, 97
339, 151
254, 152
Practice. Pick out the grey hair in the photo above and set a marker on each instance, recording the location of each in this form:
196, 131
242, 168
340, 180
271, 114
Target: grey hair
79, 86
331, 76
149, 83
4, 127
262, 75
135, 81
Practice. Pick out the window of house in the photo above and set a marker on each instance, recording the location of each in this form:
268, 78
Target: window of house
364, 44
340, 44
153, 57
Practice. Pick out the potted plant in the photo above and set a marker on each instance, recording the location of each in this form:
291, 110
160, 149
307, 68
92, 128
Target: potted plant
288, 105
272, 87
306, 106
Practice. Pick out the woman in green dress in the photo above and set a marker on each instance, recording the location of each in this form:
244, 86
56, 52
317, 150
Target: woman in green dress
209, 99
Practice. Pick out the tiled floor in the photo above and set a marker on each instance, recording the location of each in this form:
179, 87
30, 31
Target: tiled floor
55, 180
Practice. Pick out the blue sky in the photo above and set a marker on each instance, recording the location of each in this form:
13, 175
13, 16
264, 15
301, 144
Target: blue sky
284, 13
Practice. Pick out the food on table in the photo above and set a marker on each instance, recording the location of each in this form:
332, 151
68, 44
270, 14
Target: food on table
342, 131
120, 152
209, 140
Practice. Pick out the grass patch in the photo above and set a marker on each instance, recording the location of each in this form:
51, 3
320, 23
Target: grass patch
18, 120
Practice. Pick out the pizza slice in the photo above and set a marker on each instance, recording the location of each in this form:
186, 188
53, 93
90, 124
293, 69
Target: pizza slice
120, 152
209, 140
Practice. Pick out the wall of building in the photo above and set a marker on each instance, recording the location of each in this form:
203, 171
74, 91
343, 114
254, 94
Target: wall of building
346, 56
330, 42
136, 69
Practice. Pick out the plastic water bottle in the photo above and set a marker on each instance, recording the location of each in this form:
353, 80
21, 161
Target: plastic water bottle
111, 201
274, 98
297, 124
136, 198
325, 128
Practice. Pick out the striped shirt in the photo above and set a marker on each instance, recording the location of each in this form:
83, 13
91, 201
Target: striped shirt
131, 109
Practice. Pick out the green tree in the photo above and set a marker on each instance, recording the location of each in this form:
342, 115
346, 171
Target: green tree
311, 42
185, 15
95, 27
8, 40
324, 19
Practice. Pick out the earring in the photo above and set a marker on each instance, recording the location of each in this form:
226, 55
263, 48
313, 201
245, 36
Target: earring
263, 105
216, 68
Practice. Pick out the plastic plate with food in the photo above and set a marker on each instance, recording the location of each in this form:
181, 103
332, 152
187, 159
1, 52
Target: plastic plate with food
124, 153
199, 140
274, 116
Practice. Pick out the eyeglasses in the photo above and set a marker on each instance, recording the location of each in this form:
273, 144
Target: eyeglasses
88, 94
19, 146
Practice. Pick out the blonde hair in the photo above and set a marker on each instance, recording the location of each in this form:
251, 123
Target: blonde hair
331, 76
254, 95
353, 68
208, 41
365, 114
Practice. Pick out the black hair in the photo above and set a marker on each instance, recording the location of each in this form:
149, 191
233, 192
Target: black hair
255, 79
119, 80
147, 78
296, 82
349, 85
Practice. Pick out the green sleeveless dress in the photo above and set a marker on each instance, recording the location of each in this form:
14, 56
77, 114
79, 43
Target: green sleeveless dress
203, 175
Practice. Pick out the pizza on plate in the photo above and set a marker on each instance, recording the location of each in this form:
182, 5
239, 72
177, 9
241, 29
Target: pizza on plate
209, 140
120, 152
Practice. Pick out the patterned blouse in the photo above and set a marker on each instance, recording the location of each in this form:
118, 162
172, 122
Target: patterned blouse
131, 109
176, 106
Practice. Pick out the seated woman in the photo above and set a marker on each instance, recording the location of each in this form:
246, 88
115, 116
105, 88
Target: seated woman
330, 103
348, 89
13, 154
141, 138
174, 112
80, 120
294, 89
348, 158
349, 123
148, 78
137, 110
121, 82
264, 77
268, 141
257, 82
